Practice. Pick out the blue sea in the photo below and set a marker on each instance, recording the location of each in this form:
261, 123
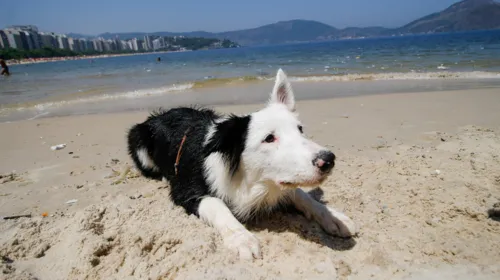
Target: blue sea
444, 60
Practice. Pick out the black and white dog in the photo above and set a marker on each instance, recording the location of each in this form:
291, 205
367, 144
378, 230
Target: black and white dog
227, 169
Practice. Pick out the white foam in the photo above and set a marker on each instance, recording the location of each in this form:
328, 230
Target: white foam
105, 97
400, 76
39, 115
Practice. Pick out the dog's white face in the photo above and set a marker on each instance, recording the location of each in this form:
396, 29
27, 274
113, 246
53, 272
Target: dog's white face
276, 149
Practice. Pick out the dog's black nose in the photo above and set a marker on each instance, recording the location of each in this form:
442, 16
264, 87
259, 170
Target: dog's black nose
325, 160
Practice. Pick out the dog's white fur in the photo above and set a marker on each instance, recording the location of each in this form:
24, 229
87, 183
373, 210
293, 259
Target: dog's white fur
146, 161
236, 237
267, 172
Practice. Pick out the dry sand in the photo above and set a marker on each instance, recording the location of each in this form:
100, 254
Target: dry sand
415, 222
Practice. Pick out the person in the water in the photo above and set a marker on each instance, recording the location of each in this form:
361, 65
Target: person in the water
5, 68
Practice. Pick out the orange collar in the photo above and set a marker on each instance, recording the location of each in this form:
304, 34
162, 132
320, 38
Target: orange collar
180, 150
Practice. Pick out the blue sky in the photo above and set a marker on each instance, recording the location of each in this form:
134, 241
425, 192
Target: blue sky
98, 16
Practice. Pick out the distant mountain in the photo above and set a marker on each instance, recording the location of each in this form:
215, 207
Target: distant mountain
281, 32
462, 16
276, 33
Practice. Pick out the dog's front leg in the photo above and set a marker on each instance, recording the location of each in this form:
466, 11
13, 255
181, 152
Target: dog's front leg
236, 237
331, 220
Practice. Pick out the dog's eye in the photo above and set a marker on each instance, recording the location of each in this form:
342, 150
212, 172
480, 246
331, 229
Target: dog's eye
269, 138
300, 129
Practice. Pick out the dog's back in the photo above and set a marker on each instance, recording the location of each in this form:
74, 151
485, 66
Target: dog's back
153, 144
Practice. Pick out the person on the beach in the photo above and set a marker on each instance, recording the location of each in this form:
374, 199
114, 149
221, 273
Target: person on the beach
5, 68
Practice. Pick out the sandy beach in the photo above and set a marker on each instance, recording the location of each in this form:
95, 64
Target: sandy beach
417, 172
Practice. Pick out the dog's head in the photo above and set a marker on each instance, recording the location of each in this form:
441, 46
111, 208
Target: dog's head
276, 148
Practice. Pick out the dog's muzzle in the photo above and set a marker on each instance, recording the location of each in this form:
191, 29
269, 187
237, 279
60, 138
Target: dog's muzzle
324, 161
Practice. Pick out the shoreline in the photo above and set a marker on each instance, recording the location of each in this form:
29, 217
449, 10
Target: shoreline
251, 91
25, 61
414, 222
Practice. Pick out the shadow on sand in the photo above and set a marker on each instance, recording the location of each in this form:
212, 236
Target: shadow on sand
291, 220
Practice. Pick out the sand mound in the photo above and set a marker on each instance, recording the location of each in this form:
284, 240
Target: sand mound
422, 212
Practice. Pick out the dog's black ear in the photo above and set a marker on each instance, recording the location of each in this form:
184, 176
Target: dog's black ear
229, 139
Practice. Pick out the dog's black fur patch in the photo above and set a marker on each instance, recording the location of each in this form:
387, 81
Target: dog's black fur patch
229, 139
161, 135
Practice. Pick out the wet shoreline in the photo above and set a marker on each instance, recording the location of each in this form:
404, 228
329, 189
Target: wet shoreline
242, 94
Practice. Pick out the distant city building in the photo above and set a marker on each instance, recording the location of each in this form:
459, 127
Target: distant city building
33, 40
159, 43
23, 37
82, 45
63, 42
28, 37
37, 38
25, 41
14, 39
124, 46
148, 42
89, 45
136, 44
72, 46
4, 40
49, 40
106, 46
98, 46
121, 45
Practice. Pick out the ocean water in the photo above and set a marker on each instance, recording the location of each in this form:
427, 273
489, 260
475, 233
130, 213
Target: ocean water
40, 89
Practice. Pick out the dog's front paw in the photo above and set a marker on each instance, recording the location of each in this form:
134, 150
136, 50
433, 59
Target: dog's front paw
244, 243
336, 223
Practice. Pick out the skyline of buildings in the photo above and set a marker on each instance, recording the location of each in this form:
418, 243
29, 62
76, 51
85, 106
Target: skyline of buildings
27, 37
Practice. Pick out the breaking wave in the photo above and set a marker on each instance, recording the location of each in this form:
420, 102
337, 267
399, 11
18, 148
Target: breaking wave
397, 76
96, 98
211, 81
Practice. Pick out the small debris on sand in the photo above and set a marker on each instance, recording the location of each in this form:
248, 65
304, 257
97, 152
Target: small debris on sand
113, 174
58, 147
17, 217
436, 172
6, 178
122, 176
